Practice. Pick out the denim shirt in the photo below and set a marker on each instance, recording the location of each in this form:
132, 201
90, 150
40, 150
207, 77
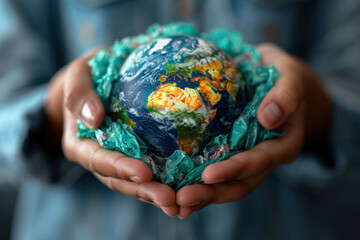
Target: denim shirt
308, 199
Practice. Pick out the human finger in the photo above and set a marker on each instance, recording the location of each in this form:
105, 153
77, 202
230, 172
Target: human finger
163, 196
79, 96
155, 193
194, 197
264, 156
94, 158
286, 96
282, 101
185, 212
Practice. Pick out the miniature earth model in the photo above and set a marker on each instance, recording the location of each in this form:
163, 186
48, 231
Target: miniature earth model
178, 93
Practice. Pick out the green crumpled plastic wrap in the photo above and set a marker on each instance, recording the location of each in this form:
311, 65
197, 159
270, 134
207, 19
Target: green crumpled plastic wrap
179, 169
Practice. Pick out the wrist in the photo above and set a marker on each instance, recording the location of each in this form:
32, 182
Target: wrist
318, 107
53, 113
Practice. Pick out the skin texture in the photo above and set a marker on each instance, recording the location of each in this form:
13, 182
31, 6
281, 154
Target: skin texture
297, 103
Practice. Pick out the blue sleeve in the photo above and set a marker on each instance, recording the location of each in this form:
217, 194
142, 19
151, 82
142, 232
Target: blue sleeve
335, 56
26, 66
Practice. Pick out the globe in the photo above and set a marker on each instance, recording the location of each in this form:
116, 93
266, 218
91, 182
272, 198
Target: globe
178, 93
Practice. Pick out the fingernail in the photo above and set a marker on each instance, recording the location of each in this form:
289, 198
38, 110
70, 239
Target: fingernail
88, 112
145, 201
193, 204
272, 113
217, 180
157, 203
135, 179
184, 212
168, 211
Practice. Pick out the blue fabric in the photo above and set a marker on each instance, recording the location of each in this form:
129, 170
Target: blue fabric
304, 200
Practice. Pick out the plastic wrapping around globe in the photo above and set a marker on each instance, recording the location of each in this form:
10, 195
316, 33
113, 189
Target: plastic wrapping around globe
179, 100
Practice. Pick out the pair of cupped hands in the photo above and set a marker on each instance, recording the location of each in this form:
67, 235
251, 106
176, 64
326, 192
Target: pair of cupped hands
297, 103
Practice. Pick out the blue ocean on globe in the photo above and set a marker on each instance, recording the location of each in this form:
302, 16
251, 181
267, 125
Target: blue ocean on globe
178, 93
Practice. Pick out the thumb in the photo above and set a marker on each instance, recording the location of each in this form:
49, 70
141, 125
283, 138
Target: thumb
281, 102
285, 97
79, 96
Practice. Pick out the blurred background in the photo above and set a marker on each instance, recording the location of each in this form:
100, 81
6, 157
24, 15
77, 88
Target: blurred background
8, 195
78, 25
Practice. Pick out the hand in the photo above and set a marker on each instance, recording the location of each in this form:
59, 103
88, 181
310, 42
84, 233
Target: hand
71, 97
296, 94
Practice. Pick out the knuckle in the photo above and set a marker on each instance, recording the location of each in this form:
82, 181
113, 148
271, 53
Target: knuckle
140, 194
111, 184
67, 154
92, 161
213, 197
73, 90
265, 159
113, 164
76, 65
271, 48
79, 65
267, 45
288, 62
70, 98
291, 98
242, 164
67, 150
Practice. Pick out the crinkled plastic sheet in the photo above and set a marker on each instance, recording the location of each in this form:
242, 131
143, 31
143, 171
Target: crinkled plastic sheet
179, 169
